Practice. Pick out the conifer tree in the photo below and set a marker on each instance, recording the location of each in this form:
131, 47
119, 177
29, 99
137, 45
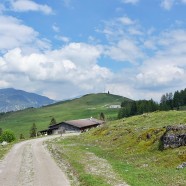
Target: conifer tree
52, 122
33, 130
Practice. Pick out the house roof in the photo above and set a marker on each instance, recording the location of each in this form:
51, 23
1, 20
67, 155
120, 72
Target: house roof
82, 123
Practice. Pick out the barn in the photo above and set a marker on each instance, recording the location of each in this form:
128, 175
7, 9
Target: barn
79, 125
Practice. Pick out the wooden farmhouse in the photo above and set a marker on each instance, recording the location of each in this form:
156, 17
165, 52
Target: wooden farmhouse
79, 125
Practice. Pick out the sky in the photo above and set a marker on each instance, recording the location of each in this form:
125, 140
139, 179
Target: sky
66, 48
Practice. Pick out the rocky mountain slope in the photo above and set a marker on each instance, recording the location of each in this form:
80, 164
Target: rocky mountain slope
13, 100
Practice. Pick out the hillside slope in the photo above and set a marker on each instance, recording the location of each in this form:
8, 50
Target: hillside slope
12, 100
131, 146
84, 107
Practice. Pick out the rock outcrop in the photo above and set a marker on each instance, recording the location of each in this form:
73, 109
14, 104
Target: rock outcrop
174, 137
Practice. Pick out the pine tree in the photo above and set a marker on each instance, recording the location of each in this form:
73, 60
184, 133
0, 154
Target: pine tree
33, 131
52, 122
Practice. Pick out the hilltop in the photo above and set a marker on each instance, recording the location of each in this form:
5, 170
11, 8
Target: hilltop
83, 107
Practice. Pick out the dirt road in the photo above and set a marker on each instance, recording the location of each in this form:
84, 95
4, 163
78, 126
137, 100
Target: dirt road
30, 164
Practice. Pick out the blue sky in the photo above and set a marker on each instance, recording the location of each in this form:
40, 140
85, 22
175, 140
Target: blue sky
66, 48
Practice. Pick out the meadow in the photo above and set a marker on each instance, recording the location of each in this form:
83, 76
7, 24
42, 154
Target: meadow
87, 106
137, 159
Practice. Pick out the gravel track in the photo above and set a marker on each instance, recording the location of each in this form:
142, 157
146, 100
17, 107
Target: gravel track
30, 164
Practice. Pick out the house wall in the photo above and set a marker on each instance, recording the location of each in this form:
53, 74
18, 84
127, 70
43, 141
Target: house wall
70, 128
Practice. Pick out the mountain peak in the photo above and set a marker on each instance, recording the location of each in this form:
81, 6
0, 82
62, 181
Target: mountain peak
12, 99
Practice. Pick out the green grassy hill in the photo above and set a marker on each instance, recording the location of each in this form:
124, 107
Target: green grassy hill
84, 107
136, 158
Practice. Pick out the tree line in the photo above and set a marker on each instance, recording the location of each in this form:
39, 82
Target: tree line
168, 101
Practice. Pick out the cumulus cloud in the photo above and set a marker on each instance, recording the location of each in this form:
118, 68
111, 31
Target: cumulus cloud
160, 74
121, 27
167, 67
29, 5
74, 64
126, 51
160, 58
123, 43
13, 33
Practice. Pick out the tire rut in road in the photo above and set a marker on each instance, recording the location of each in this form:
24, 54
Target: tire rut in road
26, 172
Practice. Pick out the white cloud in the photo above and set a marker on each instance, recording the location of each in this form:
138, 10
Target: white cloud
29, 5
124, 45
62, 38
167, 4
167, 67
126, 20
13, 33
74, 65
160, 74
161, 59
130, 1
126, 51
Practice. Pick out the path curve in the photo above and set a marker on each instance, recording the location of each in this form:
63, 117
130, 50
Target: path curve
30, 164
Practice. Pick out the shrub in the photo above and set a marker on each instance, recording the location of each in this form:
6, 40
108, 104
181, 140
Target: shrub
21, 137
8, 136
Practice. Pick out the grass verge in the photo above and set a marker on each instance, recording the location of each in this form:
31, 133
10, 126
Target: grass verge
84, 168
5, 149
134, 157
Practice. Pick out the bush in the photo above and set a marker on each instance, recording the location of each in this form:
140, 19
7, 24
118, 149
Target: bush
21, 137
7, 136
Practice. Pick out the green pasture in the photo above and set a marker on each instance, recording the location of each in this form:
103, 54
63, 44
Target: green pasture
136, 158
87, 106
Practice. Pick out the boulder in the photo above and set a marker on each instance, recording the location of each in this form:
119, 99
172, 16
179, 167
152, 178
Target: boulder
4, 143
174, 137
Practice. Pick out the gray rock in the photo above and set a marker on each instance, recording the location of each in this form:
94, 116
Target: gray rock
183, 165
174, 137
4, 143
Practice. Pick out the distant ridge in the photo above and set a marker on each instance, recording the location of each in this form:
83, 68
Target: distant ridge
13, 100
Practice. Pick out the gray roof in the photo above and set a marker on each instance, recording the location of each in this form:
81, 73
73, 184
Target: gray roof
81, 123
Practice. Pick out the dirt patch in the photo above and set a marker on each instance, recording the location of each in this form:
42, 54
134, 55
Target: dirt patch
101, 167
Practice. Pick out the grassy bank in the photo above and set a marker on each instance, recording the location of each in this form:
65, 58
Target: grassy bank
84, 168
4, 149
134, 157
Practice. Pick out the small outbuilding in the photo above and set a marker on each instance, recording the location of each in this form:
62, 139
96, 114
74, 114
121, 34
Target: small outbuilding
80, 125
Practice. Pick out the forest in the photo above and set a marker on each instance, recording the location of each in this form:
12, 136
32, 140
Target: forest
168, 101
